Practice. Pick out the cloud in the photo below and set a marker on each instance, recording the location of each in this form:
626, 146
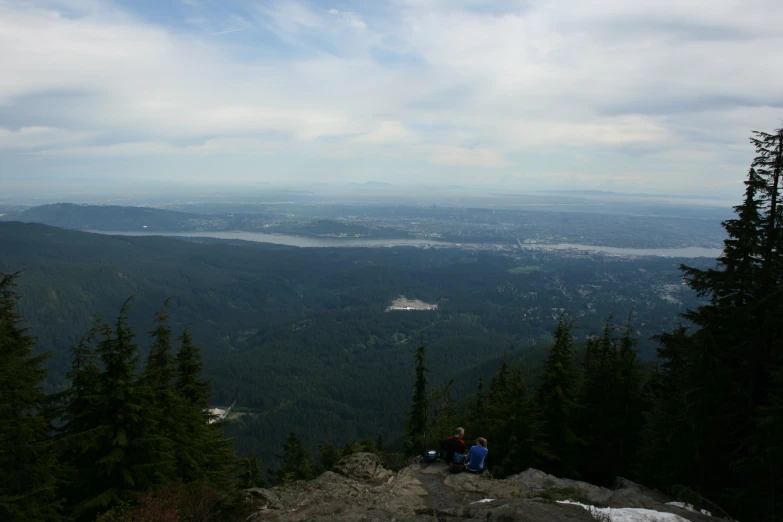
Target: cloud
351, 19
461, 156
432, 83
28, 138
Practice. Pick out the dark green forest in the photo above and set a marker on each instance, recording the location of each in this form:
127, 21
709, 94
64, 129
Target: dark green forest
552, 364
299, 338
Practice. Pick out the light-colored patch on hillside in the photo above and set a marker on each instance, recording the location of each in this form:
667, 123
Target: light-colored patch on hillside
524, 269
403, 303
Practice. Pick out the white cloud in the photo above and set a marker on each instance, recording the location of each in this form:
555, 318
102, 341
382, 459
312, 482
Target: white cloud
461, 156
351, 19
434, 82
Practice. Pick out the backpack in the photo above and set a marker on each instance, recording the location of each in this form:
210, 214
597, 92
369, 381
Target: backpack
457, 464
430, 456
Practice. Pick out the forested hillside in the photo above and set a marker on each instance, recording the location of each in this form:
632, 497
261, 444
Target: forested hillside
108, 217
300, 337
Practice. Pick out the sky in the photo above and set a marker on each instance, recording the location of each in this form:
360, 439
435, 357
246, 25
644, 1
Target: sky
639, 96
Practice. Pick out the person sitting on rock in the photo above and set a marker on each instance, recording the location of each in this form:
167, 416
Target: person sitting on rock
453, 444
476, 456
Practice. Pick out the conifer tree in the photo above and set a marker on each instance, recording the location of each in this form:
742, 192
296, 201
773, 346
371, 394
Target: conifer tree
127, 455
27, 457
189, 384
166, 405
83, 425
514, 425
418, 417
721, 375
444, 419
479, 410
205, 453
296, 464
556, 397
328, 455
764, 463
251, 473
611, 408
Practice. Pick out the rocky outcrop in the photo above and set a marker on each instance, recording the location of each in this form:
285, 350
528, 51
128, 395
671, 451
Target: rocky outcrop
363, 466
360, 489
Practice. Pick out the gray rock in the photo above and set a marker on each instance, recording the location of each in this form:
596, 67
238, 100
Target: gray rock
362, 467
362, 490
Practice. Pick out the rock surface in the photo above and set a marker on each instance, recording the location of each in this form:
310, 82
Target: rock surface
360, 489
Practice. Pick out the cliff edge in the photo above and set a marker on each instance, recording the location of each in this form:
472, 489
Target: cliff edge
361, 489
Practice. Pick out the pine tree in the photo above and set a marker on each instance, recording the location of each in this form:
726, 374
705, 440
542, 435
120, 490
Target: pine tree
515, 426
611, 414
166, 405
189, 384
328, 455
205, 453
444, 419
418, 418
556, 399
764, 462
251, 473
720, 377
630, 403
296, 464
127, 455
27, 456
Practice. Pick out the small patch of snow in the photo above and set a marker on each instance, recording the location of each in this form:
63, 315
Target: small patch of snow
484, 501
627, 514
689, 507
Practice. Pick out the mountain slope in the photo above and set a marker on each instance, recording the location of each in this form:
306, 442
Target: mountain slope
108, 217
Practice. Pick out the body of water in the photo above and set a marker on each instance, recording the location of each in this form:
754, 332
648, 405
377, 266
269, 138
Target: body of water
316, 242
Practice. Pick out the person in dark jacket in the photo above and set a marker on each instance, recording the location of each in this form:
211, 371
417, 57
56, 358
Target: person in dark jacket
454, 444
476, 456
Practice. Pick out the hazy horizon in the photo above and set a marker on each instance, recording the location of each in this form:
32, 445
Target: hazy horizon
109, 98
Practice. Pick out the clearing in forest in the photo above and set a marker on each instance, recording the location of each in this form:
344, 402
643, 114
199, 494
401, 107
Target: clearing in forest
403, 303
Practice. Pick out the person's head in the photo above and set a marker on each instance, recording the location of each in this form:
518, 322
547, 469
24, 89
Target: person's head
459, 433
481, 441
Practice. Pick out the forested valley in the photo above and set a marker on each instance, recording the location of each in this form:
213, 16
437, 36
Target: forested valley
548, 356
299, 338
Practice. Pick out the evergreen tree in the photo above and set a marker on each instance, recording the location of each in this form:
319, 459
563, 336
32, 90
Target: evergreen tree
764, 463
205, 453
418, 418
514, 426
556, 399
479, 409
611, 408
328, 455
127, 456
27, 457
720, 378
444, 419
251, 473
166, 405
189, 384
296, 464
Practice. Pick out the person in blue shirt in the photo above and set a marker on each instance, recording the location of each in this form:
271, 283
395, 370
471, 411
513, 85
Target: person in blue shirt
477, 455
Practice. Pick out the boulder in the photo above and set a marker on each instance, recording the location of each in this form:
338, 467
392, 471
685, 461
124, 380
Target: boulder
364, 467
